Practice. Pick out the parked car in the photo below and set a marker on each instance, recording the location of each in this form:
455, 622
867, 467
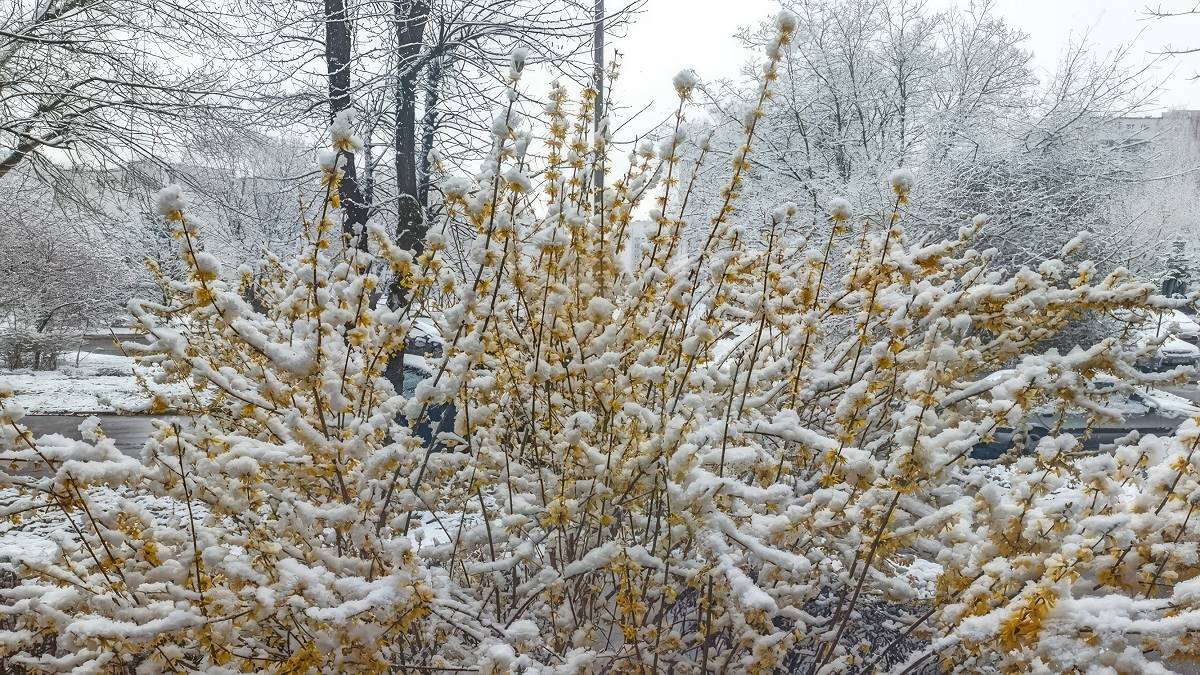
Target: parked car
1186, 327
1177, 335
424, 339
438, 418
1144, 409
1172, 353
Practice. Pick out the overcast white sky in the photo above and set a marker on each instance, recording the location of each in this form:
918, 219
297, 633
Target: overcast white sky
674, 34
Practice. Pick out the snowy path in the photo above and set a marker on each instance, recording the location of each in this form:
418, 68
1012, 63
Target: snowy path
1191, 392
128, 431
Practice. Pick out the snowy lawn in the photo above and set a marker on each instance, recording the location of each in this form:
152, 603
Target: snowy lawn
38, 540
99, 383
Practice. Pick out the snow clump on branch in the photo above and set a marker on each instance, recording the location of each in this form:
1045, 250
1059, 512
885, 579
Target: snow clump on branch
342, 131
902, 181
170, 202
685, 81
838, 209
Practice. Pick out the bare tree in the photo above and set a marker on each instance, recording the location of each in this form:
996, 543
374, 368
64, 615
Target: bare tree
1174, 10
873, 85
339, 60
86, 80
59, 276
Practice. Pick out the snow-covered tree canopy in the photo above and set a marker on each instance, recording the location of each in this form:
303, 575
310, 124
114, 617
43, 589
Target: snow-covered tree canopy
92, 80
57, 273
872, 85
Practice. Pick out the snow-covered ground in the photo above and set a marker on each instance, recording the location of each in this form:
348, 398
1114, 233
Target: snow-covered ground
91, 383
36, 539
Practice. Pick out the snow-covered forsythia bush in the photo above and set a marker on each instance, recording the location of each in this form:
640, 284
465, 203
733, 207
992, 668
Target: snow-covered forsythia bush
724, 458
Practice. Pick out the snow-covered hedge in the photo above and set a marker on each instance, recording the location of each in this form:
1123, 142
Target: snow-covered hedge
26, 348
663, 458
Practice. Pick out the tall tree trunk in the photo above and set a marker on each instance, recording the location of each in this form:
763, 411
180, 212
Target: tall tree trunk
368, 182
429, 122
410, 18
598, 76
339, 47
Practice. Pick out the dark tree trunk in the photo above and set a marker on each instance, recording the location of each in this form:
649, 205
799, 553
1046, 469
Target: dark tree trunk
368, 181
410, 18
598, 123
429, 122
338, 59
